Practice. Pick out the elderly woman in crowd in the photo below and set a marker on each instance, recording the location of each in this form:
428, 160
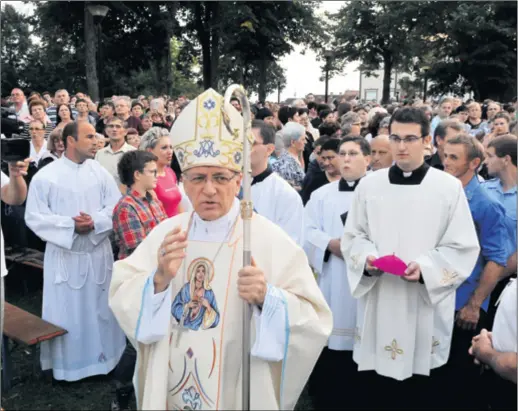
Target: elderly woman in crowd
290, 164
156, 140
145, 124
55, 148
37, 110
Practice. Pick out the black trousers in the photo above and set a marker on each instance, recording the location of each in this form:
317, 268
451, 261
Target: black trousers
384, 393
460, 378
502, 393
333, 382
123, 373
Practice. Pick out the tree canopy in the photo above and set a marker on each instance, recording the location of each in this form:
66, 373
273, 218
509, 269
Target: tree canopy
182, 47
459, 46
156, 47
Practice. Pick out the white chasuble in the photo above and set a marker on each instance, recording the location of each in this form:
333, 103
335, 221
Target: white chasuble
77, 268
405, 328
197, 364
326, 212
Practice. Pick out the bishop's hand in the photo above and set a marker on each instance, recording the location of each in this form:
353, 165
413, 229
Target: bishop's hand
251, 284
170, 256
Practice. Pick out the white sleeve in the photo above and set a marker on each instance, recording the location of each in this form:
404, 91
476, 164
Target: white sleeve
270, 327
4, 180
50, 227
315, 239
292, 216
155, 314
103, 223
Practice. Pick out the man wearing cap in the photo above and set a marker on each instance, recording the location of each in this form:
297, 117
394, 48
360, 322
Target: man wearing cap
179, 296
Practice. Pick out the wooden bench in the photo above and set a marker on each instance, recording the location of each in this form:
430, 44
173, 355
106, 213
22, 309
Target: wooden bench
26, 329
25, 256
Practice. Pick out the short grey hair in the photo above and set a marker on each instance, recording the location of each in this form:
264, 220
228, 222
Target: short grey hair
350, 118
292, 132
124, 98
151, 137
385, 122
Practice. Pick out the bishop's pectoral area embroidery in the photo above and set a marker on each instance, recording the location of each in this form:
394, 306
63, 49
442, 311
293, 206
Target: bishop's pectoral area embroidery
195, 304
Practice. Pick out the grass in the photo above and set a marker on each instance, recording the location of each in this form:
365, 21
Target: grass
42, 392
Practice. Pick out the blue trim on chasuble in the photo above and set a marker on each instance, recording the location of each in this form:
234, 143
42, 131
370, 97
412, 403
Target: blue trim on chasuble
286, 345
146, 286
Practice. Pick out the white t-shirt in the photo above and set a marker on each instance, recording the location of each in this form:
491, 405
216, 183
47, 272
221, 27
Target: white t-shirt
504, 328
4, 180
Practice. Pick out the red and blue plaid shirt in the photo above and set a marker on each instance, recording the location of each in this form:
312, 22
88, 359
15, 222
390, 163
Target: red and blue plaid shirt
134, 217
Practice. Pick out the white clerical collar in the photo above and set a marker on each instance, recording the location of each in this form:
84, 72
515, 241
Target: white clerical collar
217, 228
407, 174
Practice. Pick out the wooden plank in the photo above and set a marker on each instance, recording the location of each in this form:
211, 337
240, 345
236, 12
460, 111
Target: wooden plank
26, 328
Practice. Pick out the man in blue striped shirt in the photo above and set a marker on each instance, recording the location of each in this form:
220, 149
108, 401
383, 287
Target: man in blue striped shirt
61, 97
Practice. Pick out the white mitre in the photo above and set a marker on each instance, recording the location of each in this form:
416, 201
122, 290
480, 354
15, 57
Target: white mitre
209, 131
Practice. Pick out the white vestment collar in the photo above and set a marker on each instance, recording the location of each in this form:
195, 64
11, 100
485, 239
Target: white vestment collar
216, 230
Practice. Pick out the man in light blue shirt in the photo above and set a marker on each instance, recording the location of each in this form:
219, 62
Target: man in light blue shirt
501, 164
462, 158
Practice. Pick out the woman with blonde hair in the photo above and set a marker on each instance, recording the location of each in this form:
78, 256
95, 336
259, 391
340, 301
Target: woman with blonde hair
156, 141
55, 148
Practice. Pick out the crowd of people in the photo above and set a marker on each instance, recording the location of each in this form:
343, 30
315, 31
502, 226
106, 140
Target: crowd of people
118, 190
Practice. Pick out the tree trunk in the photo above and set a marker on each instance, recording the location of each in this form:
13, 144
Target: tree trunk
387, 71
263, 66
214, 46
172, 8
90, 33
204, 39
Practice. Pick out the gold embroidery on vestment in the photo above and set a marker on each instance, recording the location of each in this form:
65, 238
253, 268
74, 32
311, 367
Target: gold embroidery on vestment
394, 349
448, 277
435, 343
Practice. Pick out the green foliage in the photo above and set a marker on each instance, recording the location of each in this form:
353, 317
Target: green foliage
476, 50
15, 44
462, 46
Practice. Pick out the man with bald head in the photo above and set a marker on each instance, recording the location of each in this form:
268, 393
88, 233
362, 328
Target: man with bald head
381, 154
70, 206
20, 105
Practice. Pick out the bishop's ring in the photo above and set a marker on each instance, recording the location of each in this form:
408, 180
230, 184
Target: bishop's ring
162, 252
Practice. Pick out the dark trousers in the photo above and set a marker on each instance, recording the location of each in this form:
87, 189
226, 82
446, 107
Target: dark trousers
502, 393
334, 376
123, 374
384, 393
460, 378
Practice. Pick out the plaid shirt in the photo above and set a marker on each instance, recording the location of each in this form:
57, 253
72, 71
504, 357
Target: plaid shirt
134, 217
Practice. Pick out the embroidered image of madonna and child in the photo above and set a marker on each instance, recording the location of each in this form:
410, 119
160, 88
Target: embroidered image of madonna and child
195, 305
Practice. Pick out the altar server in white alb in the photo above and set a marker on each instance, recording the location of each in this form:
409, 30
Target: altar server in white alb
70, 206
326, 214
179, 296
421, 215
272, 196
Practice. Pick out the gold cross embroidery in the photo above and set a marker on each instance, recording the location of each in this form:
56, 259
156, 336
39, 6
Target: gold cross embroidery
394, 349
448, 277
435, 343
